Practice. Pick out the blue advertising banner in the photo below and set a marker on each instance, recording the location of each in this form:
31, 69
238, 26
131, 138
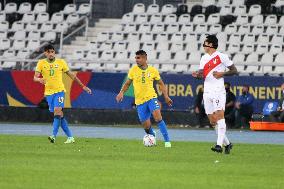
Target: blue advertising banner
18, 89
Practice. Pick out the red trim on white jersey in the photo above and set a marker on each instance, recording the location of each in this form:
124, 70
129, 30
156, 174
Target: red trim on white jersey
210, 65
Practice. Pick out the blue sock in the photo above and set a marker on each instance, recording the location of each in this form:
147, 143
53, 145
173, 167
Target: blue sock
65, 128
150, 131
56, 124
163, 128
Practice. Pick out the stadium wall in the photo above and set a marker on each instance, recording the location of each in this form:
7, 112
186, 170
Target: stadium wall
17, 89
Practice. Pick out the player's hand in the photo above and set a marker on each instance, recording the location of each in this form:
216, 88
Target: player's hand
218, 75
119, 97
194, 74
87, 89
168, 101
197, 110
41, 80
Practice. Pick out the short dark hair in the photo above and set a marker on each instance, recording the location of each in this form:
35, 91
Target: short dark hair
212, 39
141, 52
48, 47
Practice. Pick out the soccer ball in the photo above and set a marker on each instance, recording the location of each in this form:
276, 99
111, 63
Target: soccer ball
149, 140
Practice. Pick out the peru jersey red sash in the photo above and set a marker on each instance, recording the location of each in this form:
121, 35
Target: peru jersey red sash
211, 65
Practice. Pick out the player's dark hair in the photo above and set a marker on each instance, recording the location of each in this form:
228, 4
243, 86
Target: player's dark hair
212, 39
141, 52
48, 47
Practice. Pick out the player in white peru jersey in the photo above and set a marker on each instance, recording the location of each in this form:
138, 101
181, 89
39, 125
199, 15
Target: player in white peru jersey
212, 69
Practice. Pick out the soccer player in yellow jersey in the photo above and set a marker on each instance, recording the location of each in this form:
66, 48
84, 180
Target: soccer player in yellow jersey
52, 70
142, 76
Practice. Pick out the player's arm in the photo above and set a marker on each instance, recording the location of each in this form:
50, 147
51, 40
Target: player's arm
198, 74
124, 88
37, 78
163, 88
75, 78
232, 71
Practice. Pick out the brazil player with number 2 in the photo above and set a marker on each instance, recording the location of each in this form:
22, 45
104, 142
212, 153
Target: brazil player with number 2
52, 69
142, 76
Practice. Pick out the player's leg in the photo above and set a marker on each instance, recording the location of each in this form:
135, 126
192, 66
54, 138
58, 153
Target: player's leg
219, 108
156, 112
59, 103
56, 119
144, 116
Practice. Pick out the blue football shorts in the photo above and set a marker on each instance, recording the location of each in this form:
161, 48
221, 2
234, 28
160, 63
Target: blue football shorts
145, 110
55, 100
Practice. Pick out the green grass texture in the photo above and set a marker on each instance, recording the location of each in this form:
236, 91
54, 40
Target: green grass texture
32, 162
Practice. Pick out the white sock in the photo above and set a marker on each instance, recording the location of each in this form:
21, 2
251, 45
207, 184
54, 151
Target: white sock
221, 131
226, 140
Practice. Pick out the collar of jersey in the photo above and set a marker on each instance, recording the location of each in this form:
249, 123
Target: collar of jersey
142, 68
49, 61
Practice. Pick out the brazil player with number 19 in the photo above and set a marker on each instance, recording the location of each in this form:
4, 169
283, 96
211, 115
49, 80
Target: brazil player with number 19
143, 75
52, 70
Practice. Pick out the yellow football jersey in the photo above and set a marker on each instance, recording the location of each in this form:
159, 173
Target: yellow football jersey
143, 83
52, 73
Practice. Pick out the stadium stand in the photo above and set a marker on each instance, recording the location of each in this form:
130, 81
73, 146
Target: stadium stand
248, 31
23, 29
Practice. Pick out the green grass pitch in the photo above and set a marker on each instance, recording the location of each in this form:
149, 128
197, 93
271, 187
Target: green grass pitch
32, 162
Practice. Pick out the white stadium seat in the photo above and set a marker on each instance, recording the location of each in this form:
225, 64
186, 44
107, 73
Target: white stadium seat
57, 17
153, 9
230, 29
130, 28
158, 28
226, 10
187, 28
175, 47
199, 19
213, 19
42, 17
19, 35
270, 20
127, 18
277, 39
25, 8
263, 38
31, 26
18, 44
92, 55
244, 29
184, 19
117, 36
238, 2
275, 49
16, 26
254, 10
262, 48
10, 8
40, 7
72, 18
141, 18
84, 9
34, 35
168, 9
163, 46
248, 48
144, 28
146, 37
240, 10
49, 36
173, 28
242, 20
28, 17
120, 46
257, 20
22, 54
177, 37
156, 18
258, 29
33, 45
239, 59
69, 9
170, 19
249, 38
138, 8
271, 30
216, 28
162, 37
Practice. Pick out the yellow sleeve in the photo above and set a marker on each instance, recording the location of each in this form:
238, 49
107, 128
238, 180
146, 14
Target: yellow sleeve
38, 67
65, 67
130, 74
157, 76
